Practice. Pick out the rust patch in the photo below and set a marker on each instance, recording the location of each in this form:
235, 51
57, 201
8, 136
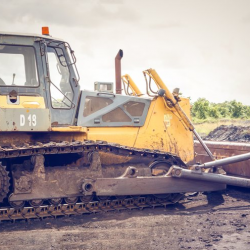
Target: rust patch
110, 159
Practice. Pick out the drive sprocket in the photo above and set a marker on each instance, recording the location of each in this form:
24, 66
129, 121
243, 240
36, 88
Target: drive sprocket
4, 182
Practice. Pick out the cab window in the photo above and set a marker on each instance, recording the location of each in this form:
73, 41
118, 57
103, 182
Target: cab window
60, 88
18, 66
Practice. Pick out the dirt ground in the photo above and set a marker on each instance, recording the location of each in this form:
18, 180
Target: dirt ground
218, 220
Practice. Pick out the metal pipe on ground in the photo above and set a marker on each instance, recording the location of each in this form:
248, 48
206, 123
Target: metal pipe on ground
118, 74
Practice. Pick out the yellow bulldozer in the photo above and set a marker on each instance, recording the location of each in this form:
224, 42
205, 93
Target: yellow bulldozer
68, 151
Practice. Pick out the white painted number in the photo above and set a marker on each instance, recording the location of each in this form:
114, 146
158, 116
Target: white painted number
34, 120
22, 120
31, 120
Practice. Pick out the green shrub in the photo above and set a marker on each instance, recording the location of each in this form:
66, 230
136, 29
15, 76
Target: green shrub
202, 109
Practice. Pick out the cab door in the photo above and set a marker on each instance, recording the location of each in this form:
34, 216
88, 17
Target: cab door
22, 95
61, 86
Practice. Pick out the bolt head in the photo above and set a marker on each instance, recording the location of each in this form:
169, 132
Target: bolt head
177, 172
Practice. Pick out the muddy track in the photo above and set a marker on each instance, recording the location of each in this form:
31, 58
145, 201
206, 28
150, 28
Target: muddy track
116, 204
28, 212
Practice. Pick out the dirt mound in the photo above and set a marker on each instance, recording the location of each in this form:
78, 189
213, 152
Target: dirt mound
230, 133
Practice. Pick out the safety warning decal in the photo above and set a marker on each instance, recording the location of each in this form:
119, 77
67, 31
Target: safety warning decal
167, 120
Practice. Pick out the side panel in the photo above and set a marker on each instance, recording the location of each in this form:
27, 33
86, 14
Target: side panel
163, 130
123, 132
24, 119
109, 110
122, 135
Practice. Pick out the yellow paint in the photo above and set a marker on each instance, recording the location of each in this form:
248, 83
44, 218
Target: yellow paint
33, 105
121, 135
170, 97
69, 129
25, 102
168, 135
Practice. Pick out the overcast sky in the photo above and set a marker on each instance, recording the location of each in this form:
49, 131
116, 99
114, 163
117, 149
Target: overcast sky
200, 46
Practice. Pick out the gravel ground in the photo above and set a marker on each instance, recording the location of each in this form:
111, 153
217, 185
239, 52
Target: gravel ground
218, 220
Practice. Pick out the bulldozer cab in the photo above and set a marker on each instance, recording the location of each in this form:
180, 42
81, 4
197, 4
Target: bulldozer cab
39, 89
38, 73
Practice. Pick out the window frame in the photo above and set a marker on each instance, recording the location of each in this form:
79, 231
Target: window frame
36, 63
72, 106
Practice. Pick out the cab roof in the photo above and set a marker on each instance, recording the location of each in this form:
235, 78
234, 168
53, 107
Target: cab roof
3, 33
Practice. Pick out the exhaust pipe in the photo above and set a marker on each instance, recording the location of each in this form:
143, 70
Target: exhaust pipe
118, 74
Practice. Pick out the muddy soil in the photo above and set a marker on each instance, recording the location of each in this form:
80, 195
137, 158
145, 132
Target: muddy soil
219, 220
230, 133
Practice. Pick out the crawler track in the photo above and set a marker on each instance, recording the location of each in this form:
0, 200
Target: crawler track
115, 203
78, 147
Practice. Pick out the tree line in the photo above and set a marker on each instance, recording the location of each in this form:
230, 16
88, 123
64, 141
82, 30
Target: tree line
203, 109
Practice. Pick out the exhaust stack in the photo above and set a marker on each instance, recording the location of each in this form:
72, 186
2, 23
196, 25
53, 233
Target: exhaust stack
118, 74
